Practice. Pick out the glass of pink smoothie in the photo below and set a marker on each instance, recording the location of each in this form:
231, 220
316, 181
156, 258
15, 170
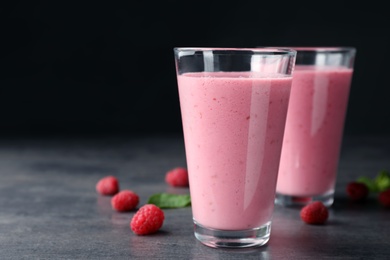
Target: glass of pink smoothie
233, 106
314, 126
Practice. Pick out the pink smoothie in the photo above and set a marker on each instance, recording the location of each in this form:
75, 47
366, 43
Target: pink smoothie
314, 129
233, 127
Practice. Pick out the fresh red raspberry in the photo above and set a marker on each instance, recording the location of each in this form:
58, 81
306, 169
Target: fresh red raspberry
125, 200
177, 177
108, 185
384, 198
147, 220
357, 191
314, 213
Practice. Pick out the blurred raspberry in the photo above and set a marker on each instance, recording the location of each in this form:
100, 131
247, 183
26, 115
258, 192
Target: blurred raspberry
108, 185
147, 220
177, 177
125, 200
384, 198
357, 191
314, 213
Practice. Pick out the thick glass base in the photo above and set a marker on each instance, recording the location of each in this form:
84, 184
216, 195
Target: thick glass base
298, 201
233, 238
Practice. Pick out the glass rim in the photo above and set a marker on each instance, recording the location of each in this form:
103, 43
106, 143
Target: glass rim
255, 50
318, 49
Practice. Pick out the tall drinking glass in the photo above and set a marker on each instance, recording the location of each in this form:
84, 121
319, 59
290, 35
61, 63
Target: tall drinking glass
314, 127
233, 105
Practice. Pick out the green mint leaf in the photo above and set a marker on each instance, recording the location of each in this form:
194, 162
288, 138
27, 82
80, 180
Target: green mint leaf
169, 201
382, 180
370, 183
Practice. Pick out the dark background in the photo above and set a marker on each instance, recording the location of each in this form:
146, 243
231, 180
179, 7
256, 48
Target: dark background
107, 66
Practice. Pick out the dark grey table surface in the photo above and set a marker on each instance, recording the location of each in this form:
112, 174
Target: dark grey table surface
49, 208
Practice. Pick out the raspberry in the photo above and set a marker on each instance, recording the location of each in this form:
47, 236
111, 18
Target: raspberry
125, 200
314, 213
384, 198
147, 220
357, 191
177, 177
108, 185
